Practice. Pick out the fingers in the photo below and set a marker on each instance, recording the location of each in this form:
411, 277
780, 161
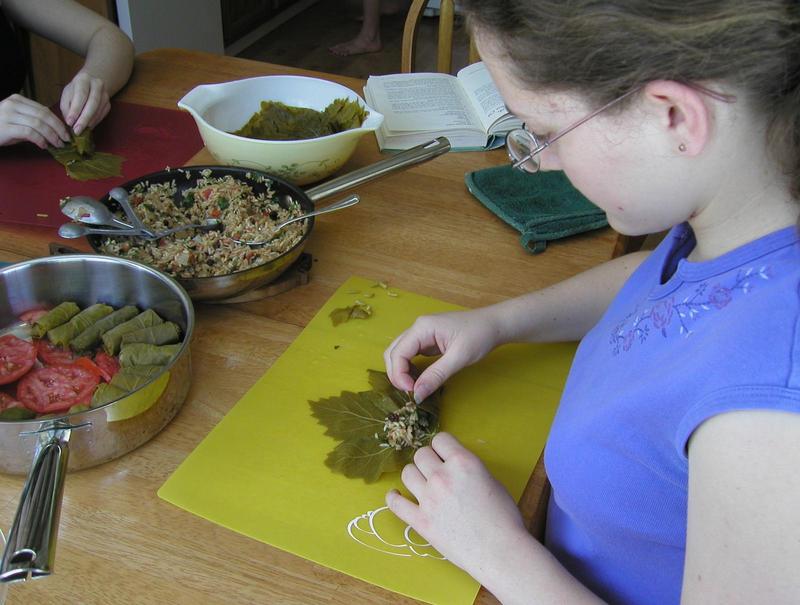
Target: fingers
413, 479
85, 102
73, 100
407, 511
94, 105
22, 119
436, 374
445, 445
398, 368
423, 338
100, 115
427, 461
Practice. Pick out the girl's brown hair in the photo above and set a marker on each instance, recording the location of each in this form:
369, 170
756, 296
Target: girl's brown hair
603, 49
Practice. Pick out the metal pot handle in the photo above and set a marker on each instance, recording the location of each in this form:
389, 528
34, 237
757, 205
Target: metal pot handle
31, 547
415, 155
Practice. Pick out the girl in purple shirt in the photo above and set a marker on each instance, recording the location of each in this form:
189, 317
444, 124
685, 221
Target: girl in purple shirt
674, 453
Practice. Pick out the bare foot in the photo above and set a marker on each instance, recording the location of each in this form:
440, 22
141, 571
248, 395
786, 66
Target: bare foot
356, 46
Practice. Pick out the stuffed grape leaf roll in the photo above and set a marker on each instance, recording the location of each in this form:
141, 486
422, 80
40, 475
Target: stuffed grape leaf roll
131, 378
63, 334
143, 354
106, 392
55, 317
160, 334
91, 336
113, 338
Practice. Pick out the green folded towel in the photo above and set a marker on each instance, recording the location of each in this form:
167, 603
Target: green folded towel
542, 206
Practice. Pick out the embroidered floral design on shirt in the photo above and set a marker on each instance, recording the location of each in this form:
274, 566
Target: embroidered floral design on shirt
669, 312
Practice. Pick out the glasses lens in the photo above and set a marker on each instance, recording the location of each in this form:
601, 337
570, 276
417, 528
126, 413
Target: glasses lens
520, 144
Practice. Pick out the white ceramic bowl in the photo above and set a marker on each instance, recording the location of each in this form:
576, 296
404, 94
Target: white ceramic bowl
222, 108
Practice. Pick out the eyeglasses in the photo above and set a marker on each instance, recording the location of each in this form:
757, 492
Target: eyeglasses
524, 146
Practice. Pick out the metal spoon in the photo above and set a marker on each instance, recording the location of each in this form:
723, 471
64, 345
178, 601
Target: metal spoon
73, 230
88, 210
209, 224
345, 203
121, 196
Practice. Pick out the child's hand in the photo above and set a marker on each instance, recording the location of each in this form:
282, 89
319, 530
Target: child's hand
463, 511
22, 119
462, 338
84, 102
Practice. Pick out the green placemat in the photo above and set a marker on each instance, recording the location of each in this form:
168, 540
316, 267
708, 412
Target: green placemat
542, 206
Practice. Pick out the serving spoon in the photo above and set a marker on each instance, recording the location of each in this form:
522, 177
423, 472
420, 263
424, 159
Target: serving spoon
341, 204
73, 230
121, 196
88, 210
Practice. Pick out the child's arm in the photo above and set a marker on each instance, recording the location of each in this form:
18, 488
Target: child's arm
562, 312
566, 310
108, 52
743, 535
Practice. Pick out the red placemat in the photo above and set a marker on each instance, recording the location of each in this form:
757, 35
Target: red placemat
149, 138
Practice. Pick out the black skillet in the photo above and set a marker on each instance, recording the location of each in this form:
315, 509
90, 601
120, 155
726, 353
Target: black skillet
231, 285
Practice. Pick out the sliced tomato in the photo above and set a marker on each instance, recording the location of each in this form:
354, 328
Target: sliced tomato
30, 317
16, 358
88, 364
56, 388
108, 364
51, 354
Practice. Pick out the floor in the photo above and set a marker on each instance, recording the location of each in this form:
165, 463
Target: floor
304, 40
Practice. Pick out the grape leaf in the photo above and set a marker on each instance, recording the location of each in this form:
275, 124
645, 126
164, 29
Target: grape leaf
379, 381
366, 424
353, 415
83, 163
276, 121
365, 458
356, 311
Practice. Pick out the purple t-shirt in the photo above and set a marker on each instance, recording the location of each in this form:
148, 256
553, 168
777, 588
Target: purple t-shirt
680, 343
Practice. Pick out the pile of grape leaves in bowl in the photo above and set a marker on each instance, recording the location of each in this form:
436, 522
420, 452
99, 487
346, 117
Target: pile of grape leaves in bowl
299, 128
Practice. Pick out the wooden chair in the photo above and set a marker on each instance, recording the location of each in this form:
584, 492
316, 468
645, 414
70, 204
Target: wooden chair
626, 244
444, 55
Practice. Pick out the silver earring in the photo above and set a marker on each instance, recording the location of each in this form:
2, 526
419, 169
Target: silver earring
681, 147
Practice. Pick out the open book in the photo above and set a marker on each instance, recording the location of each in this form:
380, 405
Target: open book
417, 107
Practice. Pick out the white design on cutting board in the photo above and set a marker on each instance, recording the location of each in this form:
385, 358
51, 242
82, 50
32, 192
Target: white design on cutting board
365, 530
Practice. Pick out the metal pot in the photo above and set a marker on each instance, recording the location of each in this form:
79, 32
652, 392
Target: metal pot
84, 439
227, 286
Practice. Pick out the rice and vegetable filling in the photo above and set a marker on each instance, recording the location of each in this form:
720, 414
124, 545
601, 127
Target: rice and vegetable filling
246, 215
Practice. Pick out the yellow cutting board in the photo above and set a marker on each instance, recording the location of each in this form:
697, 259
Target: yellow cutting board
261, 471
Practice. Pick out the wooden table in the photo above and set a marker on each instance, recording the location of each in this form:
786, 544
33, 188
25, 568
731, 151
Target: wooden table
419, 230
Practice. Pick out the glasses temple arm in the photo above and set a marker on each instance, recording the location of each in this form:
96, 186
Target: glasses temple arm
572, 127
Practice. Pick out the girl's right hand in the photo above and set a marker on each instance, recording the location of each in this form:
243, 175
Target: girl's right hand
461, 338
22, 119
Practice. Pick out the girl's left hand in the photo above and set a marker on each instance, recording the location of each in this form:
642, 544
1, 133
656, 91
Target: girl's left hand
84, 102
464, 512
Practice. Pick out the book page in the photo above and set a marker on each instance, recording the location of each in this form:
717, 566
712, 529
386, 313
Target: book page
482, 92
422, 101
